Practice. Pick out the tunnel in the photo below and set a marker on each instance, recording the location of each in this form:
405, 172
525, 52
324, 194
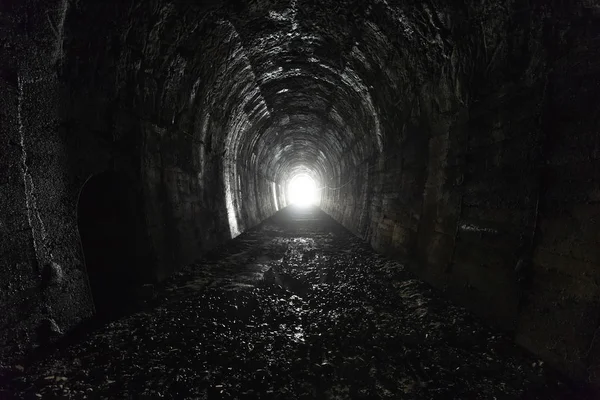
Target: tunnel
455, 143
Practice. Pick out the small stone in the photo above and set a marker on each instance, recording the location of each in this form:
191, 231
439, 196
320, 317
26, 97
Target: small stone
52, 274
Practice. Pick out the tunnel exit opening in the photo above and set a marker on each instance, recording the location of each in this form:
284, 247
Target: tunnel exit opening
302, 191
106, 220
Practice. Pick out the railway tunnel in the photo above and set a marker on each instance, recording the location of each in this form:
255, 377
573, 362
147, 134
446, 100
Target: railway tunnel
457, 141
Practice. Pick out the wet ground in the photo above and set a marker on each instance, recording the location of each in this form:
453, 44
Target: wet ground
297, 308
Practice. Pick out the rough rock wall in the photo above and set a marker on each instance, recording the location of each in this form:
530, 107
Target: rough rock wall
42, 276
87, 88
561, 315
487, 182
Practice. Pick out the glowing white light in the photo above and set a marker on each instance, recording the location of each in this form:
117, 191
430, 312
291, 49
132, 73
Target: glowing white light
302, 191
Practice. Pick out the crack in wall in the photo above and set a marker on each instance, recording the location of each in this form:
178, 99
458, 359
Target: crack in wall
34, 218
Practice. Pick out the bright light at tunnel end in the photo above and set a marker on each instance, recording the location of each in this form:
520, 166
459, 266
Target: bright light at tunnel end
302, 191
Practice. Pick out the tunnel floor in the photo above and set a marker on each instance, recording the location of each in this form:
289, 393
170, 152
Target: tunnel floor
297, 308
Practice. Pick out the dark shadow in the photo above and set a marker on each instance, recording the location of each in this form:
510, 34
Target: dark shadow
106, 216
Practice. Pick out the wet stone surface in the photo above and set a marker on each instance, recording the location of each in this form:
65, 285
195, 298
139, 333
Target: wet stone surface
297, 308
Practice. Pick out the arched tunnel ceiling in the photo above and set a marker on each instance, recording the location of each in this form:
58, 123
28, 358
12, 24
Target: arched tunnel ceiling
294, 83
320, 106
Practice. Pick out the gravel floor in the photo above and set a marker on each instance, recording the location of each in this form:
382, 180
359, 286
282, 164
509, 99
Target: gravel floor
297, 308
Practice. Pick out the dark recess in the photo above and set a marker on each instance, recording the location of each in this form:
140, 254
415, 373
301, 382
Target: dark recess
106, 218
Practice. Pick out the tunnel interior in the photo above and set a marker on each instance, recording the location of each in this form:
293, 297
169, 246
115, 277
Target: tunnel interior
460, 138
106, 219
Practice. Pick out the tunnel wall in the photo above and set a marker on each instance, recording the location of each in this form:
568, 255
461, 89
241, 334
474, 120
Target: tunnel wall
42, 275
560, 318
489, 190
84, 93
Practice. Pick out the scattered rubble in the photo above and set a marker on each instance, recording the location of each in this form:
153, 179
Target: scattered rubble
303, 313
